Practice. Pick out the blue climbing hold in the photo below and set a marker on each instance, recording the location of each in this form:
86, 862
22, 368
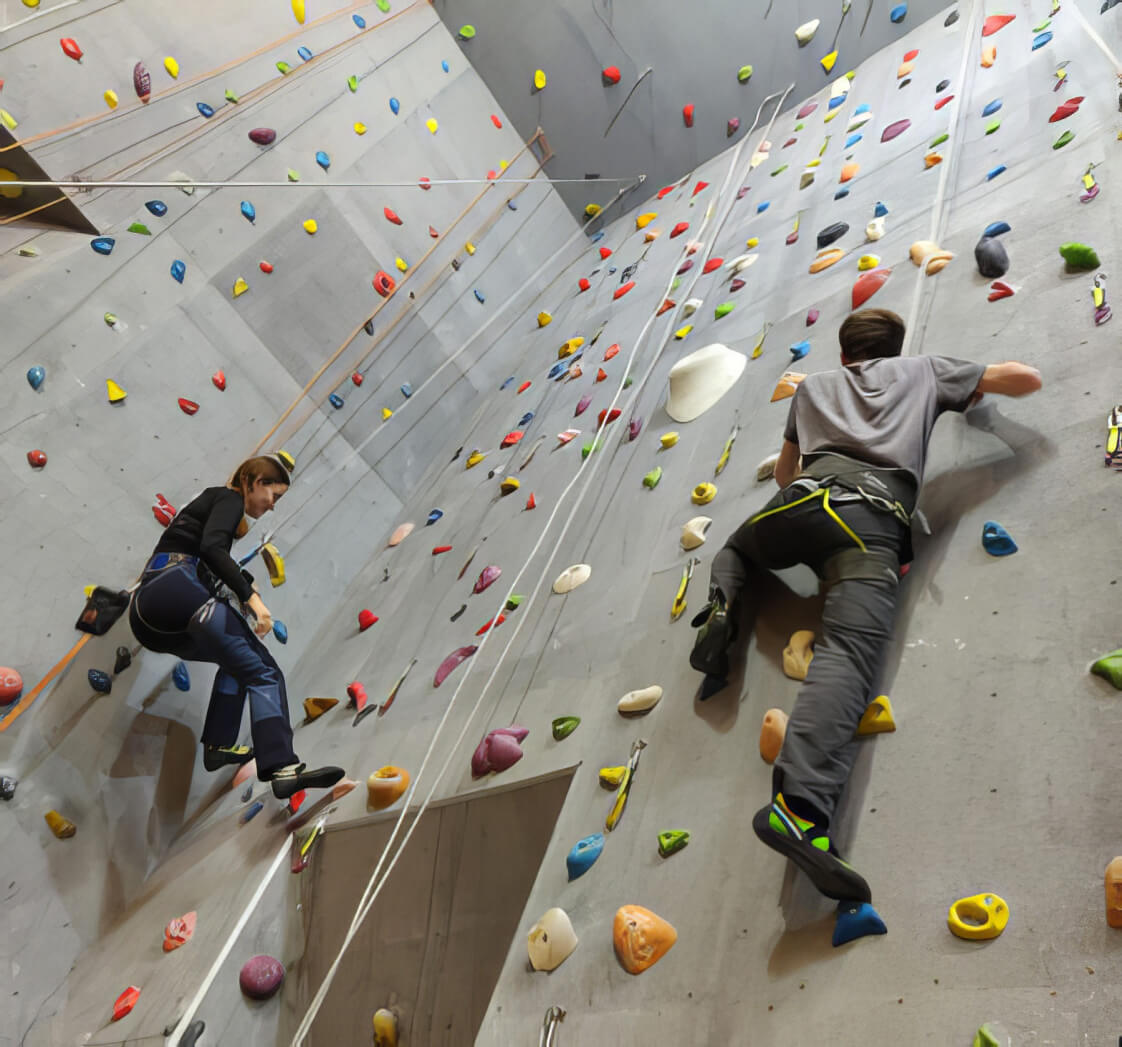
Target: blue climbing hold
835, 101
336, 401
992, 174
100, 681
444, 65
856, 920
611, 269
157, 207
406, 390
880, 210
304, 53
853, 139
1041, 39
996, 540
395, 106
525, 420
800, 349
992, 107
557, 369
898, 12
206, 110
435, 515
512, 205
249, 212
996, 228
251, 811
103, 244
280, 631
35, 376
506, 383
842, 193
479, 296
597, 237
761, 208
584, 854
359, 21
181, 677
178, 271
323, 159
862, 108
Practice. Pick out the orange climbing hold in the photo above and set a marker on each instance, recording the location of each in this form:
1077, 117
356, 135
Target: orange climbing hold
989, 56
391, 215
611, 351
496, 121
601, 374
530, 502
687, 114
384, 283
667, 304
825, 259
680, 228
849, 171
621, 291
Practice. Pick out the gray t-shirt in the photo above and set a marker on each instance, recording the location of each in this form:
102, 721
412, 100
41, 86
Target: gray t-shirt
880, 411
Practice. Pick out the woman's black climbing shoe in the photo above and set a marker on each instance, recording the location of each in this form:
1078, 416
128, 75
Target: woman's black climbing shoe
294, 777
714, 637
810, 848
215, 757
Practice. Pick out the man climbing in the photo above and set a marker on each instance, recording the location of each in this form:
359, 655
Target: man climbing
862, 433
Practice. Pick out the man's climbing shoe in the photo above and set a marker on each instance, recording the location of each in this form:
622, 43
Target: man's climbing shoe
294, 777
809, 847
215, 757
715, 633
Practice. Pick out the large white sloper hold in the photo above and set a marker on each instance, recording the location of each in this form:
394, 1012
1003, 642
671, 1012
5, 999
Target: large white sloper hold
699, 380
551, 940
571, 577
640, 701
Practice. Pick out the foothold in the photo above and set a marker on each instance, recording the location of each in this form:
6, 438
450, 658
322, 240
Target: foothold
572, 577
703, 493
671, 841
385, 1028
994, 172
336, 401
563, 726
172, 67
178, 271
103, 244
265, 267
1063, 140
7, 787
180, 929
141, 82
723, 310
610, 75
825, 259
551, 941
280, 631
991, 107
434, 515
877, 717
261, 976
125, 1002
487, 577
772, 732
897, 14
869, 261
454, 659
894, 130
641, 938
1041, 39
63, 828
989, 56
687, 114
139, 228
539, 80
798, 654
996, 229
800, 349
204, 109
805, 33
584, 853
499, 750
640, 701
122, 662
988, 915
996, 540
1079, 256
856, 920
36, 376
867, 285
995, 22
180, 676
310, 226
384, 284
999, 289
385, 787
100, 681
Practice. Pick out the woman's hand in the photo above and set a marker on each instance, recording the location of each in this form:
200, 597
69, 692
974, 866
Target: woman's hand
261, 613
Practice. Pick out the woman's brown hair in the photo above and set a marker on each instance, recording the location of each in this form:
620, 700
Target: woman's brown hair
267, 467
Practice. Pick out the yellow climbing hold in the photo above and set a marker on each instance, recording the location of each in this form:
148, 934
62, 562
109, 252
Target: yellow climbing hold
703, 493
298, 10
668, 439
469, 247
988, 914
360, 128
868, 261
62, 827
544, 319
539, 80
116, 393
610, 777
474, 459
240, 287
401, 264
432, 125
30, 3
503, 165
111, 98
683, 331
569, 347
9, 176
904, 69
509, 485
314, 708
753, 241
387, 414
828, 61
172, 66
830, 115
877, 718
591, 210
310, 226
9, 121
645, 219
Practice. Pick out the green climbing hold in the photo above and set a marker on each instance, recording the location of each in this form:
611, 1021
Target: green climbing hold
1043, 25
652, 478
992, 126
293, 176
1079, 256
779, 170
467, 32
140, 227
563, 726
799, 126
676, 284
352, 83
672, 841
231, 97
587, 449
284, 68
627, 382
383, 6
986, 1037
723, 309
1063, 140
513, 601
939, 140
744, 74
1109, 667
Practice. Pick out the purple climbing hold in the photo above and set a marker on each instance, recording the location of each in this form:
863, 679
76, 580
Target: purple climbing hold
261, 977
582, 406
486, 577
897, 128
459, 655
263, 136
806, 110
733, 127
633, 428
811, 317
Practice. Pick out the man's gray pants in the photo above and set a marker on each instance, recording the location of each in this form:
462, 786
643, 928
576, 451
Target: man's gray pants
803, 524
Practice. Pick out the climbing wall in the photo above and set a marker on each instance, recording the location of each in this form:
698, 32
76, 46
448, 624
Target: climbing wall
999, 778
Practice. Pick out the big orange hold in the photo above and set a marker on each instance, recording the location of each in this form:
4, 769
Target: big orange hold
11, 685
641, 937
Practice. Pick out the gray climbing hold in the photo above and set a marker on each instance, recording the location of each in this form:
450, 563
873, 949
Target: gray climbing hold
7, 787
991, 258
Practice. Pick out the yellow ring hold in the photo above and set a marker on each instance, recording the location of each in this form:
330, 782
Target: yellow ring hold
868, 261
703, 494
988, 912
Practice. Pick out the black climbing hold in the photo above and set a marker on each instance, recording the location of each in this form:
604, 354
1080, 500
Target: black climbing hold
362, 714
100, 681
124, 660
368, 327
951, 18
904, 83
7, 787
458, 613
248, 794
191, 1036
831, 233
991, 258
941, 86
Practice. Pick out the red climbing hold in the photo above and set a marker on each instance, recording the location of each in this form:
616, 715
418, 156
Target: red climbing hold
531, 503
998, 290
494, 621
70, 48
357, 378
512, 438
262, 135
141, 82
366, 618
697, 188
266, 267
687, 114
391, 215
219, 380
36, 459
680, 228
433, 233
424, 183
611, 351
163, 511
524, 386
296, 799
605, 252
621, 291
995, 22
713, 263
911, 56
1069, 108
438, 549
610, 416
187, 406
667, 304
789, 142
943, 101
496, 121
356, 695
583, 283
601, 374
611, 74
384, 283
868, 285
125, 1002
666, 190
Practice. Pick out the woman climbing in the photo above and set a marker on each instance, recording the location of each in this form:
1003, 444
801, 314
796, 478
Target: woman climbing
179, 608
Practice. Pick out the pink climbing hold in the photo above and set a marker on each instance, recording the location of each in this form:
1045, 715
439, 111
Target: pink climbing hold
895, 129
433, 233
261, 976
263, 136
687, 114
498, 751
806, 110
179, 931
867, 285
582, 405
680, 228
391, 215
621, 291
732, 127
142, 82
357, 696
811, 317
459, 655
995, 22
488, 576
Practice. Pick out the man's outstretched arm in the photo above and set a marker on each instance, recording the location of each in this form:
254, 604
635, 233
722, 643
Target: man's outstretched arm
1009, 379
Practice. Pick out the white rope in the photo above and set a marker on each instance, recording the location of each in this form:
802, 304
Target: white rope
286, 184
375, 885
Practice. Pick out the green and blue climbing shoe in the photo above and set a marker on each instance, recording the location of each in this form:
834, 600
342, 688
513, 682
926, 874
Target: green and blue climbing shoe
215, 757
809, 847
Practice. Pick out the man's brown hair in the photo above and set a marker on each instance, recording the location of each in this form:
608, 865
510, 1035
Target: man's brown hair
871, 334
